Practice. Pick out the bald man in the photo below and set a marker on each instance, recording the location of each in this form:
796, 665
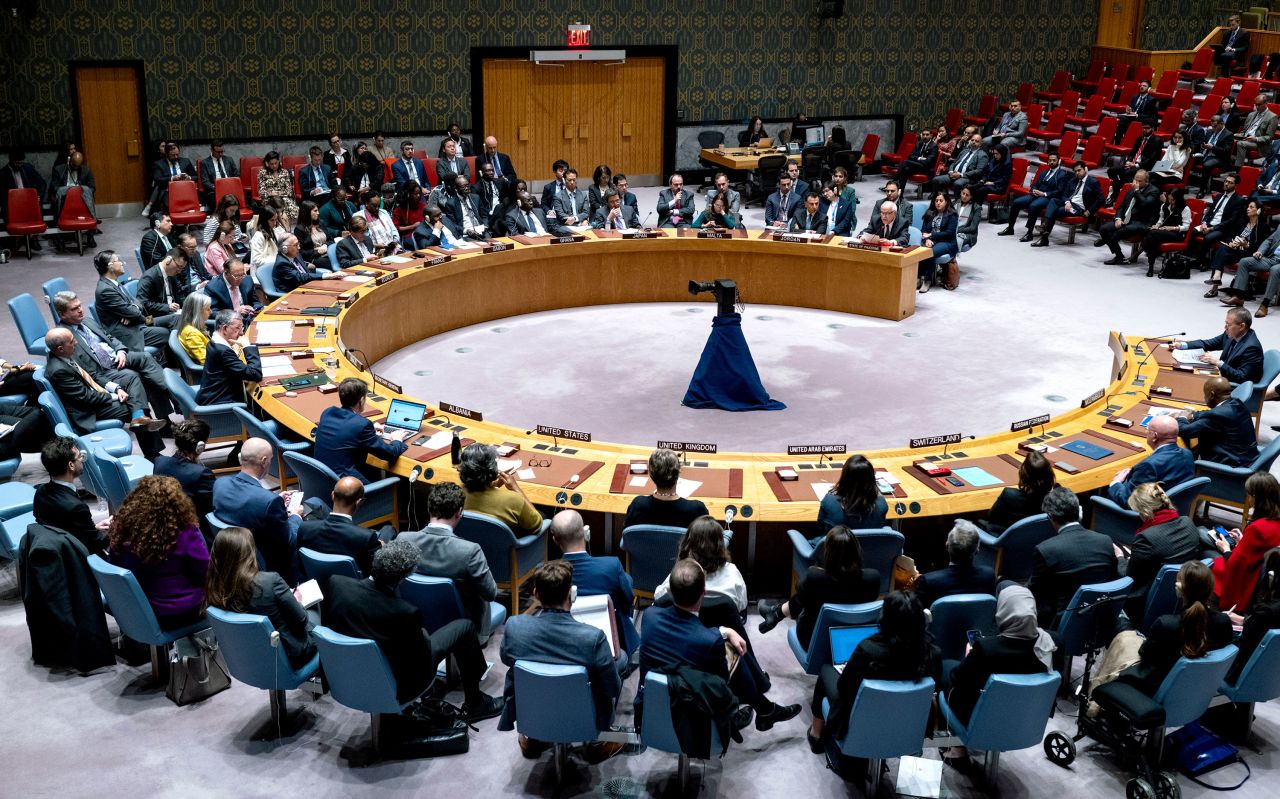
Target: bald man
502, 167
1168, 463
337, 533
595, 576
1225, 432
241, 500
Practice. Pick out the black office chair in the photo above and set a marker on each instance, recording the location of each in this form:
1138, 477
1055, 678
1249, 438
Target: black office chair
849, 160
813, 167
742, 138
709, 140
766, 180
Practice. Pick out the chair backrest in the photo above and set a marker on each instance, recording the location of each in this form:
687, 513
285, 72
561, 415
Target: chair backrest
1245, 97
494, 537
12, 531
1259, 680
880, 548
1119, 71
657, 730
316, 479
1168, 80
1127, 90
953, 119
1107, 88
1069, 101
1093, 150
1191, 684
245, 641
1017, 546
1018, 171
1270, 371
651, 552
869, 147
987, 106
24, 206
769, 167
554, 702
1093, 108
50, 288
183, 197
1012, 711
907, 144
860, 615
31, 326
129, 606
191, 370
52, 407
358, 673
1091, 615
1184, 494
111, 476
267, 281
1162, 596
1068, 146
1096, 67
224, 186
1060, 81
74, 211
953, 616
320, 566
1035, 113
888, 718
1248, 180
708, 139
294, 161
435, 597
184, 396
1204, 57
1145, 72
1121, 524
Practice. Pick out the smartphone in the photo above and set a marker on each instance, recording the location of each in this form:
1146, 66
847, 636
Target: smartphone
973, 636
1222, 531
884, 487
955, 481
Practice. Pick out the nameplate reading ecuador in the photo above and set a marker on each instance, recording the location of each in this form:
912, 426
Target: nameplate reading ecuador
817, 449
688, 446
458, 410
933, 441
641, 234
1034, 421
714, 234
560, 432
385, 383
387, 278
1092, 398
567, 239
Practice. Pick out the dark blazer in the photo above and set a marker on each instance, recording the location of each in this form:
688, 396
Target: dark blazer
400, 172
925, 152
344, 438
1225, 434
1143, 106
348, 251
1241, 360
775, 208
1145, 153
464, 148
272, 598
307, 179
455, 215
517, 225
1074, 557
55, 505
1176, 542
899, 232
1145, 205
336, 218
332, 160
1011, 506
1163, 647
338, 535
874, 659
991, 654
1240, 46
151, 291
161, 171
220, 294
1169, 464
288, 276
224, 374
63, 604
308, 250
485, 193
153, 250
802, 221
207, 173
549, 193
196, 480
817, 588
240, 500
1233, 215
502, 166
997, 174
554, 636
630, 216
673, 637
59, 179
457, 167
361, 609
604, 575
687, 208
954, 579
945, 234
845, 219
1093, 198
1054, 182
83, 404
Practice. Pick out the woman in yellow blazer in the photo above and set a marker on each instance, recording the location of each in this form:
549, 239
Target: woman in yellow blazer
191, 329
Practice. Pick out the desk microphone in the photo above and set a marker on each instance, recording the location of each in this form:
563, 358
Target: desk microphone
1107, 399
1152, 351
555, 440
944, 446
362, 363
729, 513
645, 224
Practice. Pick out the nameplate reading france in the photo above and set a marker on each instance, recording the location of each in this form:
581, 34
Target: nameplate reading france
458, 410
687, 446
817, 449
933, 441
1092, 398
387, 384
1025, 424
560, 432
436, 261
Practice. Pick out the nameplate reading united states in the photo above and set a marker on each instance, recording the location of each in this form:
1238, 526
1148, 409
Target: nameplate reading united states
458, 410
1034, 421
933, 441
817, 449
1092, 398
688, 446
560, 432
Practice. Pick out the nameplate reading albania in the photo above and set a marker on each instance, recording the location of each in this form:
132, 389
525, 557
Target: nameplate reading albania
687, 446
458, 410
1034, 421
933, 441
817, 449
560, 432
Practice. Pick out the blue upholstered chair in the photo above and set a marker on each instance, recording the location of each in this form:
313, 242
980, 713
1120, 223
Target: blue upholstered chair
1122, 524
317, 481
254, 658
320, 566
12, 530
955, 615
1010, 553
15, 514
1270, 371
554, 704
333, 256
359, 676
1011, 714
887, 719
117, 476
658, 731
510, 559
50, 288
1226, 483
438, 600
1259, 680
650, 553
819, 652
224, 425
270, 431
31, 325
267, 282
880, 548
191, 371
1088, 622
113, 439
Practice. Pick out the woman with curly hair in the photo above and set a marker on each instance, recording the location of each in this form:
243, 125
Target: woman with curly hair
155, 536
704, 543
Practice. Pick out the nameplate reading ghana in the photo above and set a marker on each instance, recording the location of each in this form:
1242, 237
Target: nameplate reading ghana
641, 234
687, 446
443, 259
714, 234
567, 239
385, 383
560, 432
933, 441
1034, 421
458, 410
1092, 398
817, 449
387, 278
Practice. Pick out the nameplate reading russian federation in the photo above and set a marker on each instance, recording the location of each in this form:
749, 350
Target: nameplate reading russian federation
560, 432
1092, 398
458, 410
387, 278
714, 234
688, 446
933, 441
436, 261
385, 383
817, 449
641, 234
1034, 421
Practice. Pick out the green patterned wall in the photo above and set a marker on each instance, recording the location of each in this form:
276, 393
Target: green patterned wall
276, 69
1179, 24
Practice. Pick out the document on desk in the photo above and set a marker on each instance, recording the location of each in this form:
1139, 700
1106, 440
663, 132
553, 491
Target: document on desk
1188, 357
395, 259
977, 477
507, 464
274, 332
820, 490
442, 439
356, 279
640, 481
277, 366
685, 488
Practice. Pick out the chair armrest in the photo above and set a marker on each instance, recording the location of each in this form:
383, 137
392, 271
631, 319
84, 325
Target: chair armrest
987, 539
1209, 467
294, 446
13, 399
224, 407
529, 540
108, 424
800, 544
382, 485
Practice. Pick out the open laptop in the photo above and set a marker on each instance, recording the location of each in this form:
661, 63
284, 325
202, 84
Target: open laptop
846, 639
765, 143
404, 418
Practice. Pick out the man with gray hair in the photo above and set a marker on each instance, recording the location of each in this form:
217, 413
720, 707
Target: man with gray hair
229, 361
1074, 557
888, 228
596, 575
1168, 463
961, 576
372, 609
290, 270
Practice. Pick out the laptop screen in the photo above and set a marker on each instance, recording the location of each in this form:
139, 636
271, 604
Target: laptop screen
815, 135
846, 639
406, 415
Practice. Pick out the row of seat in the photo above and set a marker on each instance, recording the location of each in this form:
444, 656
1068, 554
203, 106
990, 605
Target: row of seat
26, 219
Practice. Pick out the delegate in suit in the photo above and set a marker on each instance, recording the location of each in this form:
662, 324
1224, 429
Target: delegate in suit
1224, 433
1075, 556
229, 362
1241, 357
240, 500
344, 437
337, 533
1167, 464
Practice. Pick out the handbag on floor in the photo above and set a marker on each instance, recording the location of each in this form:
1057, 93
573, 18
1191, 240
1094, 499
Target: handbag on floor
430, 728
1177, 266
951, 275
193, 678
1197, 752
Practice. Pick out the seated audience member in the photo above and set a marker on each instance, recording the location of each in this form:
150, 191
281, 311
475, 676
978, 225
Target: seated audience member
664, 507
313, 242
356, 247
214, 168
673, 636
230, 362
489, 193
1223, 215
345, 437
1164, 537
157, 241
57, 502
1170, 226
1047, 190
441, 553
921, 160
721, 186
1238, 242
553, 636
172, 168
1134, 217
1035, 478
337, 533
162, 288
718, 216
18, 174
337, 157
241, 500
1263, 616
753, 133
900, 650
905, 210
234, 291
153, 199
121, 314
676, 206
290, 271
335, 215
1237, 571
196, 479
381, 230
887, 228
501, 162
316, 179
1225, 432
1142, 157
524, 219
1256, 131
380, 149
968, 215
966, 166
854, 502
464, 214
484, 485
462, 145
704, 543
838, 211
274, 181
597, 576
555, 186
451, 163
264, 243
1168, 464
221, 248
196, 274
780, 206
1012, 129
798, 184
620, 186
1266, 260
1234, 49
227, 210
19, 379
1215, 152
1075, 556
995, 175
572, 205
1268, 185
154, 534
807, 217
30, 427
1172, 166
67, 176
409, 212
366, 172
1081, 197
613, 214
960, 576
235, 584
840, 579
88, 400
938, 232
371, 609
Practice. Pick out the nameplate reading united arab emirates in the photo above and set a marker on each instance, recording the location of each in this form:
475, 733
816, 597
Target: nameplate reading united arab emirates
1092, 398
560, 432
385, 383
386, 278
817, 449
1034, 421
687, 446
458, 410
933, 441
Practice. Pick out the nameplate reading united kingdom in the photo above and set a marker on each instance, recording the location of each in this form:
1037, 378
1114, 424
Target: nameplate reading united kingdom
458, 410
1092, 398
560, 432
933, 441
436, 261
1034, 421
641, 234
687, 446
387, 278
385, 383
816, 449
567, 239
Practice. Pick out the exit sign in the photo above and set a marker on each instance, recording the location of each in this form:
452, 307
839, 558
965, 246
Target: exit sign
579, 35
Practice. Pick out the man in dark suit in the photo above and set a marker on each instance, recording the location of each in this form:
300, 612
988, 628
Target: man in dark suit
571, 205
838, 209
620, 186
173, 167
196, 274
554, 636
676, 206
407, 167
1141, 106
502, 167
316, 180
966, 166
337, 534
461, 144
1074, 557
216, 166
370, 609
808, 218
1134, 217
488, 195
1081, 197
121, 314
290, 270
156, 242
524, 219
67, 176
596, 576
18, 174
613, 214
798, 184
1142, 157
1241, 357
1215, 152
162, 289
1234, 49
1168, 464
344, 437
1046, 190
556, 185
780, 206
229, 361
887, 227
921, 160
464, 215
960, 576
189, 439
451, 163
57, 503
672, 636
233, 290
1222, 216
1224, 433
240, 500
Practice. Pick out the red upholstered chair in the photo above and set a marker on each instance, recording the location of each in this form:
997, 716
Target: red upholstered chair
1145, 72
1105, 215
1182, 99
986, 110
1066, 148
866, 155
1121, 104
1017, 176
430, 165
184, 203
952, 120
1125, 144
1197, 207
471, 166
297, 189
1168, 82
25, 218
1090, 80
1119, 71
1070, 100
293, 161
75, 217
1247, 94
1026, 93
1092, 155
1107, 88
386, 171
1090, 116
889, 161
249, 175
1248, 180
1107, 128
921, 180
1061, 79
1212, 102
1169, 122
224, 186
252, 178
1021, 187
1199, 67
1052, 130
1074, 224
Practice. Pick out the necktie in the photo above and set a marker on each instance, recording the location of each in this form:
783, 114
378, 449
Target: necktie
573, 205
964, 159
412, 168
95, 347
93, 384
297, 263
234, 293
528, 220
497, 165
217, 168
173, 169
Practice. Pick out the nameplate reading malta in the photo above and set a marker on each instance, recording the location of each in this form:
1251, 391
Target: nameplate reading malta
1092, 398
1026, 424
560, 432
458, 410
687, 446
817, 449
714, 234
933, 441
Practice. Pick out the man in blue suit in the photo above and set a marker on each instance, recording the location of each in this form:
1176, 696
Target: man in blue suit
241, 500
1225, 432
1241, 357
1046, 190
407, 168
1168, 463
595, 576
233, 282
316, 179
229, 362
344, 437
554, 636
960, 576
1081, 196
502, 167
782, 204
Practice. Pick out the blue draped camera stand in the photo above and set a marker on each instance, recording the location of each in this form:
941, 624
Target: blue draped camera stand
726, 377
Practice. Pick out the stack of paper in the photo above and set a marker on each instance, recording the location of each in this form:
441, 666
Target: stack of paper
1189, 357
277, 366
274, 332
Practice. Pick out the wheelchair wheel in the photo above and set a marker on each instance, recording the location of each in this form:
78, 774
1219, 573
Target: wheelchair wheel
1167, 786
1060, 749
1138, 788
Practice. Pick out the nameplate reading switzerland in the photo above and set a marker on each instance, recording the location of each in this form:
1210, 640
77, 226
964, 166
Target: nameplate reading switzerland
387, 384
933, 441
1026, 424
560, 432
688, 446
1092, 398
458, 410
817, 449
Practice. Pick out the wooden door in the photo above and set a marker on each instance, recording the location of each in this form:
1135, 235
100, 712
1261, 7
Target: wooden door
586, 113
1119, 23
111, 131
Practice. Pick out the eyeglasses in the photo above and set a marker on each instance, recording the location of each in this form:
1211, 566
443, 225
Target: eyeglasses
544, 462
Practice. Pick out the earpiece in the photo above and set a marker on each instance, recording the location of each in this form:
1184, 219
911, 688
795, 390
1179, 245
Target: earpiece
586, 533
199, 447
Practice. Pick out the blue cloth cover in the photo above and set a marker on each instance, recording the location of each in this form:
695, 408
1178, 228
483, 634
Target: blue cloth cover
726, 377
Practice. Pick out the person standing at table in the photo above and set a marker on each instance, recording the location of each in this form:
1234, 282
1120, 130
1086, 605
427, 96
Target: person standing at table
1241, 357
676, 207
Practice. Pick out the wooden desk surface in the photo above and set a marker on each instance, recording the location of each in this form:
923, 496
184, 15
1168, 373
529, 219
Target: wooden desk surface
741, 157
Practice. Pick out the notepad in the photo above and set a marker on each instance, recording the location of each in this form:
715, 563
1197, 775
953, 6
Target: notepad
506, 465
977, 477
640, 482
685, 488
597, 611
1190, 357
1091, 451
526, 474
820, 490
274, 332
